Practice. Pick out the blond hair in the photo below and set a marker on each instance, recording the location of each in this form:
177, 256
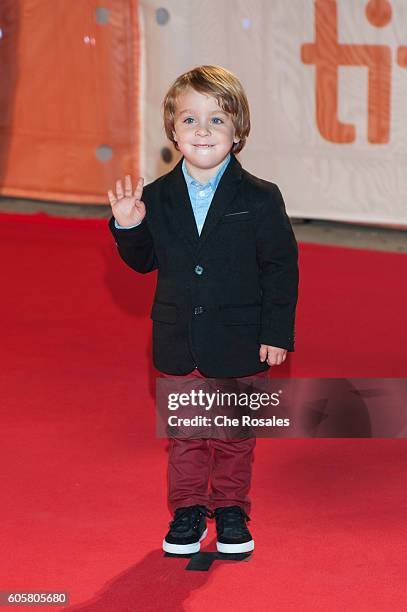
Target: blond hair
218, 82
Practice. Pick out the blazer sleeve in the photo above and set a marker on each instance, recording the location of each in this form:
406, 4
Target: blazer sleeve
135, 246
277, 256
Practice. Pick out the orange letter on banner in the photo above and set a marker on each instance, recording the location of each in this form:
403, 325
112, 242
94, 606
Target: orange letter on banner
402, 56
327, 54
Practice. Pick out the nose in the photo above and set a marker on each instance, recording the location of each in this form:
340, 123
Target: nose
202, 130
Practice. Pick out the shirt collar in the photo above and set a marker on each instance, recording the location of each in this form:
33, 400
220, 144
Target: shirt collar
213, 182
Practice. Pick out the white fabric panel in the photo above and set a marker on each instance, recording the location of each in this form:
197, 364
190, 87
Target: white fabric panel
261, 43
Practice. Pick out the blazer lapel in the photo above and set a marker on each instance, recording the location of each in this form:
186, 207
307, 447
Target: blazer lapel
181, 208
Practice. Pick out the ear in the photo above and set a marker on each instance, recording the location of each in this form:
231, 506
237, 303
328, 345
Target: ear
174, 136
236, 140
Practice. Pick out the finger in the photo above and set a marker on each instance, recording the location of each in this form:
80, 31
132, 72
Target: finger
139, 188
263, 353
271, 358
111, 197
128, 189
119, 189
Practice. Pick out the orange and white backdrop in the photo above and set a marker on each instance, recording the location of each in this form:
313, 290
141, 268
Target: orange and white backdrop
326, 80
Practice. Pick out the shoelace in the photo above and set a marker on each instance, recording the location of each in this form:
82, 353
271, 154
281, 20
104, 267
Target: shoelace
192, 513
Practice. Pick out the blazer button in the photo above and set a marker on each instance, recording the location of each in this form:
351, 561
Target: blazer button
198, 310
198, 270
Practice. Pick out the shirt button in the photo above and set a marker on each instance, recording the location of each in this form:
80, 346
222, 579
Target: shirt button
198, 270
201, 193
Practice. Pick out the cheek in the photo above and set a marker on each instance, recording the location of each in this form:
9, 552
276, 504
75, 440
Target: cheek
182, 131
229, 134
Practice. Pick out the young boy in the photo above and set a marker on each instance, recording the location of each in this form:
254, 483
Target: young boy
226, 291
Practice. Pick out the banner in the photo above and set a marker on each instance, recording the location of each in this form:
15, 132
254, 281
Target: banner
69, 98
83, 84
327, 88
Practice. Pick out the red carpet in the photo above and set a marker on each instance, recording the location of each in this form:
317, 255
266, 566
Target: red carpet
83, 481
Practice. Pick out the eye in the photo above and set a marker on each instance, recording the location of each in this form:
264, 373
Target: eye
189, 120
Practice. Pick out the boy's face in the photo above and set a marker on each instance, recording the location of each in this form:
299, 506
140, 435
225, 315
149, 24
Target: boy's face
203, 131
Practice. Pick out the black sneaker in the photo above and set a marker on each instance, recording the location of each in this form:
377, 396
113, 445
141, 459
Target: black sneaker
187, 530
233, 534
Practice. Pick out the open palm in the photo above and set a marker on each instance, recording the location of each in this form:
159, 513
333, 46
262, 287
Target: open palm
127, 207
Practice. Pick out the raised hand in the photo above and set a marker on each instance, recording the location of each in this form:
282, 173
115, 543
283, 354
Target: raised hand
127, 208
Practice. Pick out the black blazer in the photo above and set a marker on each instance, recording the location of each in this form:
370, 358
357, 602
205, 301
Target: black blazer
223, 293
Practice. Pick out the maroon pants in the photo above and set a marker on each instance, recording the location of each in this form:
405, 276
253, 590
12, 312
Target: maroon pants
210, 472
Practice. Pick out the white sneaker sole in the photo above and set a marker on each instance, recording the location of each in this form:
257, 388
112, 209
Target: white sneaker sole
184, 549
235, 548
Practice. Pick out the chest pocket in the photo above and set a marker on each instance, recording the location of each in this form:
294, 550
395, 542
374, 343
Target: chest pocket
241, 215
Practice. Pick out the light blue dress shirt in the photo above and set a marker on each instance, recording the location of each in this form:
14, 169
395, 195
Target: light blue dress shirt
200, 195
